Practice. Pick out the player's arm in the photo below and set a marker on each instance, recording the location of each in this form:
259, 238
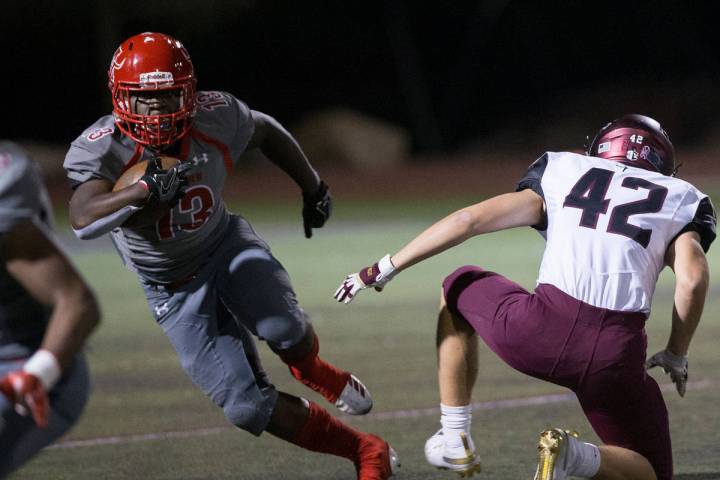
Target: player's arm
505, 211
524, 208
95, 209
32, 257
692, 278
95, 200
279, 146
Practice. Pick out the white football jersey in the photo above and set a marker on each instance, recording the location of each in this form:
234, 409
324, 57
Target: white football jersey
609, 225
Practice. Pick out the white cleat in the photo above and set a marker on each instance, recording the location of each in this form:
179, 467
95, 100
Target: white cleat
463, 461
553, 454
355, 399
394, 461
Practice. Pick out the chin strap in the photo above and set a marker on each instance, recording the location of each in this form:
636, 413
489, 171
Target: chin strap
674, 172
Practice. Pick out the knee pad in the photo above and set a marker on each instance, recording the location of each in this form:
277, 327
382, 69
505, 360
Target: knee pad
288, 334
251, 414
281, 333
251, 418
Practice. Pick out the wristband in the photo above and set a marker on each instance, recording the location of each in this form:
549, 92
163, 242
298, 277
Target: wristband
387, 269
45, 367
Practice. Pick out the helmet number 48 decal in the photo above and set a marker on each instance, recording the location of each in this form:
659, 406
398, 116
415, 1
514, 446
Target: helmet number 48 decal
588, 195
194, 209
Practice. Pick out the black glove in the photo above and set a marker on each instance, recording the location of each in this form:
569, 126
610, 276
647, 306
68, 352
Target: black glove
316, 209
165, 186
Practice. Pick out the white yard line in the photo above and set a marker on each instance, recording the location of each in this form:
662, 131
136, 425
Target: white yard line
394, 414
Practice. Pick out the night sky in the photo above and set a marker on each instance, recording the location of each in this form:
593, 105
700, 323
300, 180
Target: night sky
451, 72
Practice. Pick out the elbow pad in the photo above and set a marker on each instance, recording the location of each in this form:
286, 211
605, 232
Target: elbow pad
105, 224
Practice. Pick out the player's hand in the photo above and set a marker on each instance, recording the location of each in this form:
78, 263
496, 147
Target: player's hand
316, 209
27, 394
165, 186
375, 276
675, 365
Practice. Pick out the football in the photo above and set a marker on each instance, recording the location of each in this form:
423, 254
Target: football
133, 174
153, 211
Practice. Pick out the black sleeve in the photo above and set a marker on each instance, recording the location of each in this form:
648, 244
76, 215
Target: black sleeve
703, 223
533, 176
532, 180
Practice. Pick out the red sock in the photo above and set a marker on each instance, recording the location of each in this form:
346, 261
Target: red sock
326, 434
317, 374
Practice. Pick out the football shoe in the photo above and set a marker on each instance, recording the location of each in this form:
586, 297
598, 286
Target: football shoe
355, 399
461, 460
377, 460
553, 452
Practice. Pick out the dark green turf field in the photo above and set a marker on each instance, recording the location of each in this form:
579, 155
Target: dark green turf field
146, 421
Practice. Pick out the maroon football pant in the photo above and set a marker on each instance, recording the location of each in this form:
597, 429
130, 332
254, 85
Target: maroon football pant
597, 353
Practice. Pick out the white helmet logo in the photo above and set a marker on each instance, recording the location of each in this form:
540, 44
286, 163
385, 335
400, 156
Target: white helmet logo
154, 79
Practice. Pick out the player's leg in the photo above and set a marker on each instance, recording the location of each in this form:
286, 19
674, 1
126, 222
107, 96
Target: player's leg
632, 421
220, 356
256, 289
20, 439
622, 403
457, 357
216, 353
309, 426
562, 455
617, 463
452, 446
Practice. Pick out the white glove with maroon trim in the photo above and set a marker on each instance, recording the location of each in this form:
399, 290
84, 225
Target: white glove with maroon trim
375, 276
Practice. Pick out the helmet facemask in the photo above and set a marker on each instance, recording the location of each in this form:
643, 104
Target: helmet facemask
154, 130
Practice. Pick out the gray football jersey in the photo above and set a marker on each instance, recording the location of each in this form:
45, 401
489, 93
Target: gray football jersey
179, 243
22, 197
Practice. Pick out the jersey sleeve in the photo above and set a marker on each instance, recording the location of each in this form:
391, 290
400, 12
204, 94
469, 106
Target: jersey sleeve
20, 188
533, 176
223, 117
245, 128
90, 155
702, 214
533, 181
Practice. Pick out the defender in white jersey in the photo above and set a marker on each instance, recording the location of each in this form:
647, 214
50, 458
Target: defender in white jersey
612, 218
211, 282
46, 313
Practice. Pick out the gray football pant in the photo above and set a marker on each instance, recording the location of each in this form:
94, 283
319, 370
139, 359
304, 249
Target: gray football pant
20, 438
210, 320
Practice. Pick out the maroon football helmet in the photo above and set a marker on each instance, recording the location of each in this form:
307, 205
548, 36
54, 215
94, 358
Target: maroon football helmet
635, 140
152, 62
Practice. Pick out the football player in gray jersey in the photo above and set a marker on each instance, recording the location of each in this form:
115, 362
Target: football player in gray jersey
210, 281
46, 313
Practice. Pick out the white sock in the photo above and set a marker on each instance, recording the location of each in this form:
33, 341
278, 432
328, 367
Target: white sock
583, 458
455, 420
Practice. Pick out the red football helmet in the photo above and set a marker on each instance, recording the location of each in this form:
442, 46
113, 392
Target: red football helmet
145, 63
635, 140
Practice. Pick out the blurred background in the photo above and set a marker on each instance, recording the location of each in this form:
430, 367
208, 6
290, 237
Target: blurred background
387, 84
